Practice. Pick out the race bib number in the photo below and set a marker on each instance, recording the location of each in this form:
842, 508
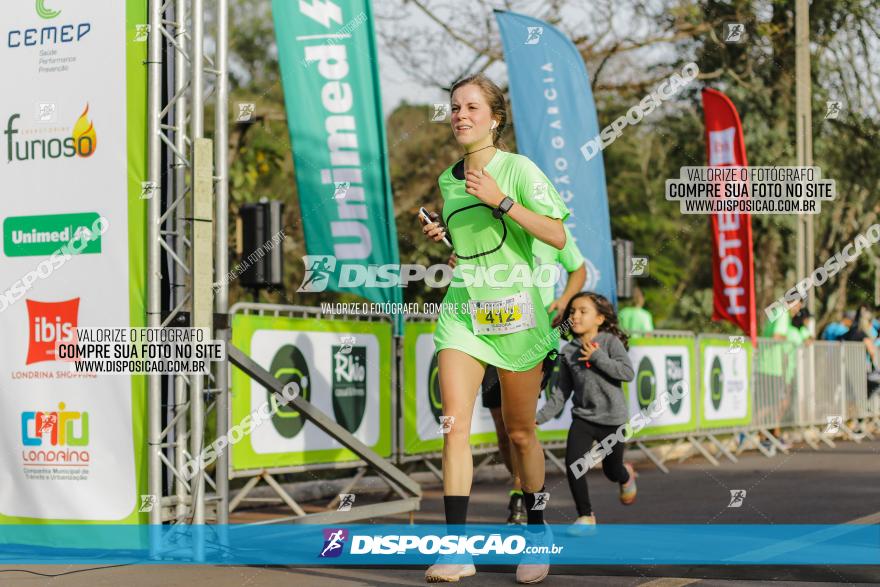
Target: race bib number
510, 314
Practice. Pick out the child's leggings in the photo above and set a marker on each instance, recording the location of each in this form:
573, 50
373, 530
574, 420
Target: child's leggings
580, 440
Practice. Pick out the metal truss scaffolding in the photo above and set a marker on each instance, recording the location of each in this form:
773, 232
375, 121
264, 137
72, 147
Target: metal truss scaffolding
187, 259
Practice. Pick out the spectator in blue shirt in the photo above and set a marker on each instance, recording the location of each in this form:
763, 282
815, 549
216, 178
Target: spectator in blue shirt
836, 330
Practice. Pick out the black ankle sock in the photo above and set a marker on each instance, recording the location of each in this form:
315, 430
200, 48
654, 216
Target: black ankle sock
534, 516
456, 509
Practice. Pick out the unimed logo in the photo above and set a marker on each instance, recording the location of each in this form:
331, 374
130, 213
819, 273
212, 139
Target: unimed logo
48, 323
58, 428
29, 236
82, 142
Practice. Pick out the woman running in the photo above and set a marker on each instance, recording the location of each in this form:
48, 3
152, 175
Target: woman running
495, 204
592, 367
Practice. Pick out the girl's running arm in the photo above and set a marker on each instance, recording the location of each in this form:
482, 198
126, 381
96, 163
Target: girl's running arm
615, 363
560, 391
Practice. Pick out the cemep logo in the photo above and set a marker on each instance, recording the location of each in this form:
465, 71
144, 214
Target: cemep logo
318, 271
334, 542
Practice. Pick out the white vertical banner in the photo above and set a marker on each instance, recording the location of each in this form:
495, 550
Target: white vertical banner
67, 447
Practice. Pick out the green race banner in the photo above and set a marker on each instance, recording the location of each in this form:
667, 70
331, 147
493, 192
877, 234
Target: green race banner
342, 367
330, 75
663, 365
726, 394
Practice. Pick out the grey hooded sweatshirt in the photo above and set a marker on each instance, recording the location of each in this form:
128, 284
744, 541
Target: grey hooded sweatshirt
598, 396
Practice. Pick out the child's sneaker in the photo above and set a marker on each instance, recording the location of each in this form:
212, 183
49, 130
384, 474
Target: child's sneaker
583, 526
628, 490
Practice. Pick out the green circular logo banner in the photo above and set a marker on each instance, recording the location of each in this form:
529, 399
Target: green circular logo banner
646, 383
289, 365
716, 383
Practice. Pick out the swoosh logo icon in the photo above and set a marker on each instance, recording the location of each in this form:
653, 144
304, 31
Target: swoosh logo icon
44, 12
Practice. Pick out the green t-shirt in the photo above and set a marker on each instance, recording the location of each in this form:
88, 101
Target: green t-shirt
569, 258
780, 357
481, 243
633, 319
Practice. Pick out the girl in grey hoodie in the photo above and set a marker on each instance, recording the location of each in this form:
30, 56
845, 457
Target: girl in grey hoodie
591, 368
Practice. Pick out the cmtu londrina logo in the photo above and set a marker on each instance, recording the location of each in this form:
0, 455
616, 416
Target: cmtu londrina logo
31, 145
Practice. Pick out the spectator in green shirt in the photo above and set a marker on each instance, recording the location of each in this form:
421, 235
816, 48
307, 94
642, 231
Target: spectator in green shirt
636, 319
777, 361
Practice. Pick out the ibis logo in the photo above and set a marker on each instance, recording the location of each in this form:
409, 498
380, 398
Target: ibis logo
50, 322
28, 145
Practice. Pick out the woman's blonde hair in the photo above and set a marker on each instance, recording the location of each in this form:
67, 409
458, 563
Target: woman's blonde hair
494, 97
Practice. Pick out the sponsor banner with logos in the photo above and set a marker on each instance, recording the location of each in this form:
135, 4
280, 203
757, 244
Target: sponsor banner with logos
422, 406
341, 367
72, 154
726, 398
663, 365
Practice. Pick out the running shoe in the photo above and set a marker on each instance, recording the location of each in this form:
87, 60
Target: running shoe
534, 567
448, 573
583, 526
628, 490
517, 509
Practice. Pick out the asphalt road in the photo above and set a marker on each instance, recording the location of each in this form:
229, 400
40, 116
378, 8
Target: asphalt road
830, 486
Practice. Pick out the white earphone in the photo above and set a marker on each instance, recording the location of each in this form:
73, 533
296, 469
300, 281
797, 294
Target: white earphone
494, 124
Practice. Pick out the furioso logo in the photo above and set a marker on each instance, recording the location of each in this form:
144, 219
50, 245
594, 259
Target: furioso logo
334, 542
82, 143
50, 322
84, 136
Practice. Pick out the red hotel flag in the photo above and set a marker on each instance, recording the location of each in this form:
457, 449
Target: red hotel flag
733, 270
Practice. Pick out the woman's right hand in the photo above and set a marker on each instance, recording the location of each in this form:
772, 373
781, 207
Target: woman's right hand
432, 229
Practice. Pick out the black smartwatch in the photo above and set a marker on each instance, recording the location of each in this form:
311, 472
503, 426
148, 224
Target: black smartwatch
503, 208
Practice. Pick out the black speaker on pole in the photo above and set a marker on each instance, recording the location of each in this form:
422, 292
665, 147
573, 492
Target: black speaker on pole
260, 244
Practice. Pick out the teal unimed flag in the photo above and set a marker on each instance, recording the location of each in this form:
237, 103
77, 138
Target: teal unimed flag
329, 70
554, 115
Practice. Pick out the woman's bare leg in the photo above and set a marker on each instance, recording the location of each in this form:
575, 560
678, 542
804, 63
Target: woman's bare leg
519, 402
460, 378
